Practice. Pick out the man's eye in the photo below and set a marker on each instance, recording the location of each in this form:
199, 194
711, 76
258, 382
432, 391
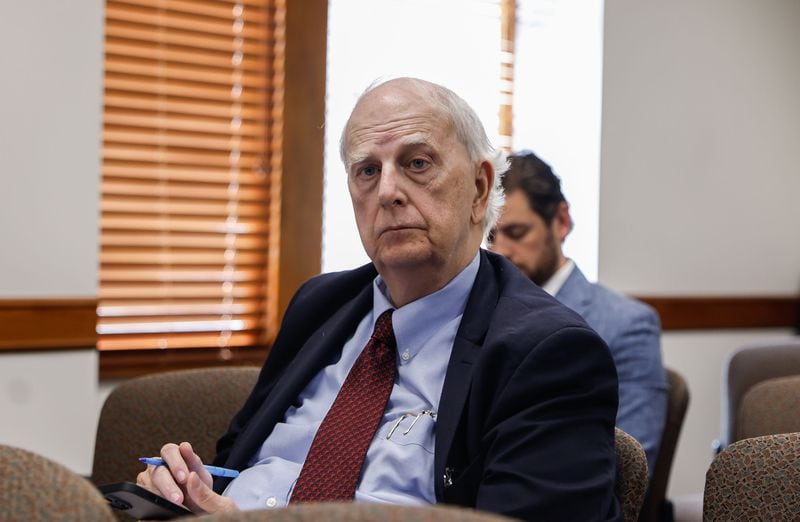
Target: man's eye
517, 232
418, 164
368, 171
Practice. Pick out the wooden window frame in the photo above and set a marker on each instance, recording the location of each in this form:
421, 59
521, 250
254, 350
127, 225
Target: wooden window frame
508, 32
296, 221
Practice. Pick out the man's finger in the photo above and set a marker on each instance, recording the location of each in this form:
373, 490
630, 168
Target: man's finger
164, 484
143, 479
195, 463
205, 498
177, 466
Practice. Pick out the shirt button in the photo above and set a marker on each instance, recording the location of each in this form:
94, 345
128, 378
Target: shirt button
272, 502
405, 356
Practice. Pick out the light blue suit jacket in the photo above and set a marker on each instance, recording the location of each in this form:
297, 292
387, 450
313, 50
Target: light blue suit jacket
632, 331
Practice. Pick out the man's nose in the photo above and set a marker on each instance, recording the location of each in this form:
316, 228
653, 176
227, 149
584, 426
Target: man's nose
390, 190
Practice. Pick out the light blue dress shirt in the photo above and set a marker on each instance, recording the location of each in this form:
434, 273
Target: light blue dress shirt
399, 469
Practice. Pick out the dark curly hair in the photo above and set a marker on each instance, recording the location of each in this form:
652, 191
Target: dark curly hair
536, 179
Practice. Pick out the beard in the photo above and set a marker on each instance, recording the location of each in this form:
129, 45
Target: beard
548, 264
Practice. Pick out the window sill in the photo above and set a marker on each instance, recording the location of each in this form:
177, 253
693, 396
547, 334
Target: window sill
124, 364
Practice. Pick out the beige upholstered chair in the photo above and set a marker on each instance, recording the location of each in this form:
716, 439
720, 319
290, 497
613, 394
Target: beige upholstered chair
33, 488
768, 408
631, 475
357, 512
655, 506
749, 366
755, 479
141, 415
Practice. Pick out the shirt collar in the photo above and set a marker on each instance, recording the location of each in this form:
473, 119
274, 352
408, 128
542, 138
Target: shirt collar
557, 280
417, 321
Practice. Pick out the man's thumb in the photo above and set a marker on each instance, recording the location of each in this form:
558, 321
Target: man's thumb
205, 498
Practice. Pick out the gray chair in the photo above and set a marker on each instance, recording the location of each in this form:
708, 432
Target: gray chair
747, 367
142, 414
768, 408
35, 489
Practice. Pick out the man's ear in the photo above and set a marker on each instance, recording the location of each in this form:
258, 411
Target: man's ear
484, 181
562, 222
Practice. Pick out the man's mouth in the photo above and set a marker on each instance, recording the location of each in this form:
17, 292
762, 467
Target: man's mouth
399, 228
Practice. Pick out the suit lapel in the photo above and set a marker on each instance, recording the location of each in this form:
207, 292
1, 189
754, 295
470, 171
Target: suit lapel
319, 351
466, 347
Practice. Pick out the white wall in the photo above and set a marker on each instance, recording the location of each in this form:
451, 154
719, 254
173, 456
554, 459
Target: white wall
49, 404
700, 174
50, 121
700, 168
50, 117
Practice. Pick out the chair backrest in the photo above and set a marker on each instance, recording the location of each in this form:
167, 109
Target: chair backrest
357, 512
677, 404
768, 408
631, 475
748, 366
755, 479
143, 414
33, 488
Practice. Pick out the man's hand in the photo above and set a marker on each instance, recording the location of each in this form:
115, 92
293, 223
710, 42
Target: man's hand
184, 480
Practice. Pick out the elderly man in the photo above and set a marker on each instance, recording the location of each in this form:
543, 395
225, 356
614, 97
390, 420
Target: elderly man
533, 226
437, 373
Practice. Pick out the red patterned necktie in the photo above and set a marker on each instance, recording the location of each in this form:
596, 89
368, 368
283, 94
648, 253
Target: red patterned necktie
334, 462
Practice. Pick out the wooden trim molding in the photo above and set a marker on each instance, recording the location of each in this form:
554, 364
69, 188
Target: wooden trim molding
124, 364
48, 323
706, 313
69, 323
298, 247
676, 312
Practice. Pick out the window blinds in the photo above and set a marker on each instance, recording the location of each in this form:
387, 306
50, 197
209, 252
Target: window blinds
189, 171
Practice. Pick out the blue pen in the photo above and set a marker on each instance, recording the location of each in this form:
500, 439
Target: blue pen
213, 470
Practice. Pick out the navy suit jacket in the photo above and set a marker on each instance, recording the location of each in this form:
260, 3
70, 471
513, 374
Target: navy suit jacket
631, 330
526, 418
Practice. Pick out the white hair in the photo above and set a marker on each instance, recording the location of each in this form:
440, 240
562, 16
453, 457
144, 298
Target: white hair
469, 131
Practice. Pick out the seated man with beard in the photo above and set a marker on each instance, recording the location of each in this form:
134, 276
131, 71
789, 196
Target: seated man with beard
533, 226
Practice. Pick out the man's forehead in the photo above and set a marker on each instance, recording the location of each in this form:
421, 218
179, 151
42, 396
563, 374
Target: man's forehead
399, 129
362, 147
414, 128
518, 207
